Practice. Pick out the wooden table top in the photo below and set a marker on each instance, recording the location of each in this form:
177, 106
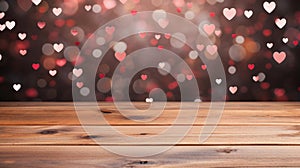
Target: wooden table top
249, 134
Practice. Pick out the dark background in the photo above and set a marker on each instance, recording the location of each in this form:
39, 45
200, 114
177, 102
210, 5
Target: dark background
282, 82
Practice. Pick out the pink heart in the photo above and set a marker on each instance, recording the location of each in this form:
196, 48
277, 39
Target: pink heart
120, 56
144, 77
61, 62
279, 57
41, 25
189, 77
79, 84
23, 52
229, 13
233, 89
209, 29
110, 30
200, 47
211, 49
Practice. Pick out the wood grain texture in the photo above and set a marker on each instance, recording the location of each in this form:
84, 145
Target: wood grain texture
249, 134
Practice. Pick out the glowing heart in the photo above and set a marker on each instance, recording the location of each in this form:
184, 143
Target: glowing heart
56, 11
2, 27
36, 2
229, 13
189, 77
255, 78
211, 49
110, 30
52, 72
10, 24
280, 22
17, 87
233, 89
269, 6
0, 57
251, 66
209, 28
279, 57
41, 25
203, 67
144, 77
87, 7
61, 62
149, 100
58, 47
161, 64
218, 33
248, 13
120, 56
23, 52
77, 72
167, 36
157, 36
35, 66
142, 34
285, 40
79, 84
200, 47
218, 81
269, 45
2, 14
22, 36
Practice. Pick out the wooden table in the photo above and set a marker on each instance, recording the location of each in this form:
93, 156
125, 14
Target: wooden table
48, 134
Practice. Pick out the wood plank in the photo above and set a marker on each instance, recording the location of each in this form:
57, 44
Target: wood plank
235, 113
178, 156
75, 135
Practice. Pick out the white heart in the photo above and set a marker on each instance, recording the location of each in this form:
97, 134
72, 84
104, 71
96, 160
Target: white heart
285, 40
77, 72
58, 47
56, 11
87, 7
0, 57
280, 22
52, 72
161, 64
22, 36
269, 45
157, 36
219, 81
2, 14
10, 24
233, 89
229, 13
248, 13
36, 2
17, 87
269, 7
149, 100
2, 27
255, 78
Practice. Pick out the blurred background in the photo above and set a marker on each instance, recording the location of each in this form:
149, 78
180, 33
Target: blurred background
258, 43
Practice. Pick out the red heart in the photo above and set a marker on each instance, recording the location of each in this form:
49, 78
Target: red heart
251, 66
35, 66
